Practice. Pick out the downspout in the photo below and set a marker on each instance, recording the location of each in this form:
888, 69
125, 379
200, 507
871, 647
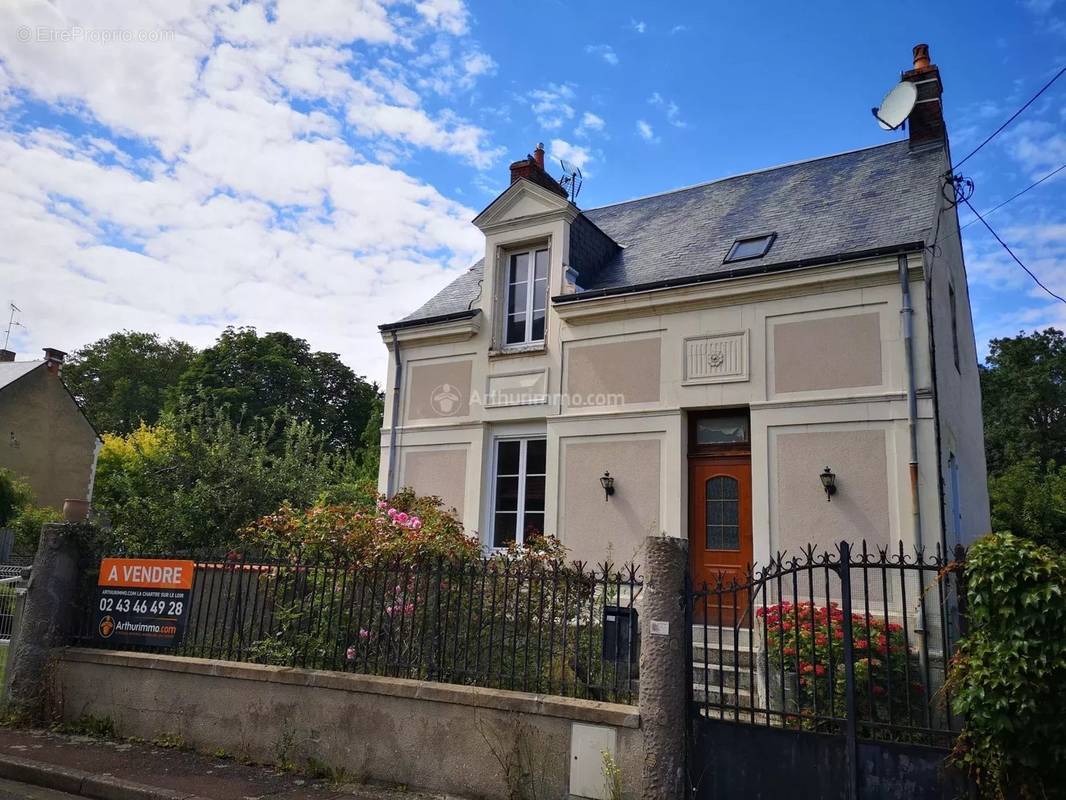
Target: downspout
907, 318
394, 419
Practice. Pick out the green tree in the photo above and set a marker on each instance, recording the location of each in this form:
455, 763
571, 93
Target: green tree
1029, 499
1023, 388
124, 379
277, 374
198, 478
19, 512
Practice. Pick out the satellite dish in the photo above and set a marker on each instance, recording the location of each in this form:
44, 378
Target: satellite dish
897, 106
571, 180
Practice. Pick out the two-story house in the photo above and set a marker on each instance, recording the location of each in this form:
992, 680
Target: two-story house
756, 363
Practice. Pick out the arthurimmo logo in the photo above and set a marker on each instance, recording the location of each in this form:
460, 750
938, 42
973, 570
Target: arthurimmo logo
107, 626
446, 400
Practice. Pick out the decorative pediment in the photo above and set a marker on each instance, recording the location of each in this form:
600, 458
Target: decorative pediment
523, 201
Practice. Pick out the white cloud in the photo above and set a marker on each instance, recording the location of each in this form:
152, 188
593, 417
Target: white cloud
590, 123
646, 132
670, 108
246, 169
552, 105
678, 29
639, 26
451, 15
577, 155
604, 51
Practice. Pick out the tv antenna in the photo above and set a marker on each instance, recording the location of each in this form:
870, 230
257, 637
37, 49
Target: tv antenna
571, 180
897, 106
11, 324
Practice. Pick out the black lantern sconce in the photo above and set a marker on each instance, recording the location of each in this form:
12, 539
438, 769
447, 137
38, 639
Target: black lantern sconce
829, 483
607, 482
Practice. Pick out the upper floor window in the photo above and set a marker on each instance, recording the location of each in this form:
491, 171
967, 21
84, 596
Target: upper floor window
752, 247
527, 295
953, 302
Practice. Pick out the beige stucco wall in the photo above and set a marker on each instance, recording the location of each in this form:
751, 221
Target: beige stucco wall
594, 529
440, 471
57, 447
827, 352
439, 390
624, 372
428, 736
861, 508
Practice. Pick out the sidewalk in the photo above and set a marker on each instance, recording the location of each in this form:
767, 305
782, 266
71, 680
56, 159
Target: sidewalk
115, 770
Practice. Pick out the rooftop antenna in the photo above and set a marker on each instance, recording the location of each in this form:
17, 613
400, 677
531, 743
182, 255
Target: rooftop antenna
897, 106
571, 180
11, 324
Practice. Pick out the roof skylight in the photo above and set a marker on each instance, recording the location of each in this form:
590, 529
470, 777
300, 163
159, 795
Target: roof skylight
751, 247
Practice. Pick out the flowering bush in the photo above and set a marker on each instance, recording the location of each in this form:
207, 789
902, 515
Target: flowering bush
405, 528
807, 641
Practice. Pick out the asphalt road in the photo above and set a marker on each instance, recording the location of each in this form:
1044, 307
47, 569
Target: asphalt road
10, 790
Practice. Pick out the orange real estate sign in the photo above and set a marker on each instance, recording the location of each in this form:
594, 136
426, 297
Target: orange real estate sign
143, 601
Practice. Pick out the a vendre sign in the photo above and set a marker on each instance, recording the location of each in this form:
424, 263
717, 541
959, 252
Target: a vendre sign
143, 601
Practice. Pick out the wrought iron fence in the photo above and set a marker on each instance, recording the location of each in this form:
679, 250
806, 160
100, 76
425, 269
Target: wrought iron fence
852, 642
525, 624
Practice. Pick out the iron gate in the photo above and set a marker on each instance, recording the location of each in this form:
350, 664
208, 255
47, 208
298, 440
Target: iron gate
823, 676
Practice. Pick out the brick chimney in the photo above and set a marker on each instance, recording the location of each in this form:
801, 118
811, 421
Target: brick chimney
53, 359
7, 355
926, 122
532, 168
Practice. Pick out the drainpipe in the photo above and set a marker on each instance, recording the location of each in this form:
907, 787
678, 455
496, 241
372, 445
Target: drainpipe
394, 420
907, 317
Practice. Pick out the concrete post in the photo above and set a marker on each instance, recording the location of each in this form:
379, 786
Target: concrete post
663, 671
47, 618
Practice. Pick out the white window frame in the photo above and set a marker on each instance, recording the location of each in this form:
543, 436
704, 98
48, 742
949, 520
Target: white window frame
520, 528
531, 272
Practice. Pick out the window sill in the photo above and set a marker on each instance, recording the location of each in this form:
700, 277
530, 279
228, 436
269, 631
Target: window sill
532, 349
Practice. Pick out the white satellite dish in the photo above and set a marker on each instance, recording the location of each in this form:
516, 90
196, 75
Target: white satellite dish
897, 106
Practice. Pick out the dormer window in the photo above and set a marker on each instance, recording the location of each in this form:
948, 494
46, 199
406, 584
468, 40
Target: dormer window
526, 297
751, 247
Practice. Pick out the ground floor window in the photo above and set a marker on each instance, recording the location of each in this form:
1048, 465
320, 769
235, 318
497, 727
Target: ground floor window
518, 490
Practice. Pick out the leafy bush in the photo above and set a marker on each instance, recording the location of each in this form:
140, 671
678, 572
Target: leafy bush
808, 640
1008, 677
406, 529
1029, 499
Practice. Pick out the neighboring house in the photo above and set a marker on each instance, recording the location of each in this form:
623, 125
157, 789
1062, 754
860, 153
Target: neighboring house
714, 349
44, 436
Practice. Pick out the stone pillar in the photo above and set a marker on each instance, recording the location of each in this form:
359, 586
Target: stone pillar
663, 671
47, 618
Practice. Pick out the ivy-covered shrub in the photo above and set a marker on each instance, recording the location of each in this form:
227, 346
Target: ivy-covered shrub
1008, 677
806, 641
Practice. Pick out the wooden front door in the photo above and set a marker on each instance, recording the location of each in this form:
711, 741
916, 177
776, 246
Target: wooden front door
720, 533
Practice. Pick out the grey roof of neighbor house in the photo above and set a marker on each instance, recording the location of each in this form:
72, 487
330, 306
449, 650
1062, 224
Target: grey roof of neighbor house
11, 371
864, 200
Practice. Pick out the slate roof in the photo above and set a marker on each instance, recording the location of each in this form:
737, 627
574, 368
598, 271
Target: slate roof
11, 371
864, 200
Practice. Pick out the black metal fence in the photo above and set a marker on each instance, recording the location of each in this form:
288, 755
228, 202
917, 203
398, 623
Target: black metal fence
524, 624
853, 642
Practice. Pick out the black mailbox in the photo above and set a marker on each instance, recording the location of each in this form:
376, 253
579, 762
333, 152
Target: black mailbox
620, 635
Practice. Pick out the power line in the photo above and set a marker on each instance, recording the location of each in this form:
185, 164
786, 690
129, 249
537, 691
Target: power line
1060, 298
991, 211
1013, 117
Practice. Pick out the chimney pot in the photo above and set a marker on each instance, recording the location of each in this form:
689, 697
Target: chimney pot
51, 354
7, 355
538, 155
921, 56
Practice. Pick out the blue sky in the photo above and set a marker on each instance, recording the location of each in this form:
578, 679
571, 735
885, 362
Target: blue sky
179, 166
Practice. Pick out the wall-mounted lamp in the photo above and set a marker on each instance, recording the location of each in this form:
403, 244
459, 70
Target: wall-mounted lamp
829, 483
607, 482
